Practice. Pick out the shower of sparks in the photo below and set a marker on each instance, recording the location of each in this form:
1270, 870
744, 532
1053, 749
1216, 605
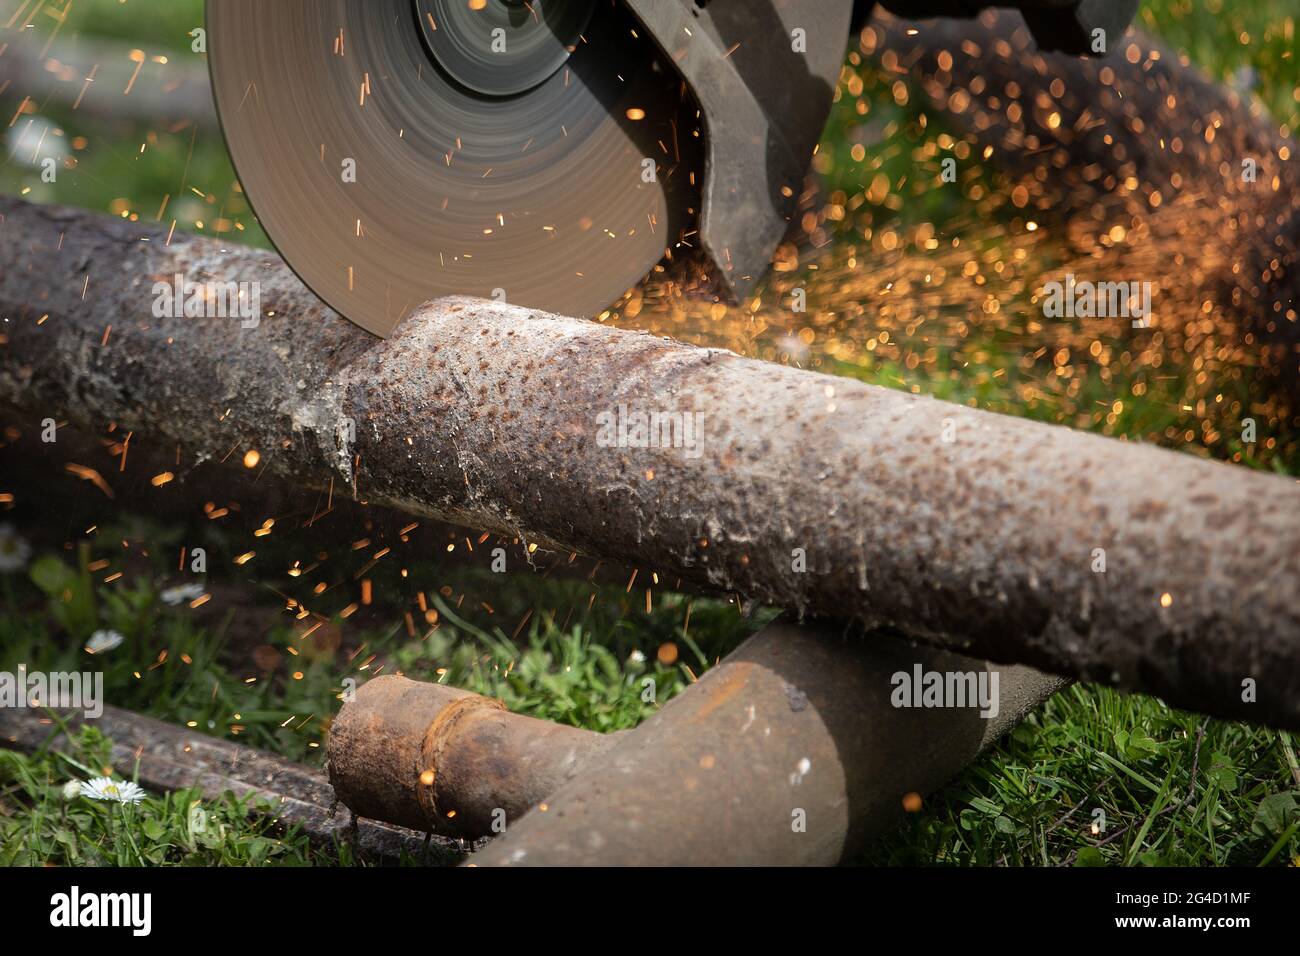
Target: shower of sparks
950, 303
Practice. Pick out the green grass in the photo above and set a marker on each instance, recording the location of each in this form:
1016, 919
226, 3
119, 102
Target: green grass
601, 671
1172, 787
41, 825
1223, 37
1163, 787
589, 673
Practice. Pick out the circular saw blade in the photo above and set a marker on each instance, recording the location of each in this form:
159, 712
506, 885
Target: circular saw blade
383, 182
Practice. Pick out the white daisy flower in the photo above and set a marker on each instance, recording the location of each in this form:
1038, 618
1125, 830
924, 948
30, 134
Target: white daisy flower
106, 788
182, 594
102, 641
636, 657
14, 551
72, 790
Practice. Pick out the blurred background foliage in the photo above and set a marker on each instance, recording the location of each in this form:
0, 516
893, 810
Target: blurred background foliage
1246, 43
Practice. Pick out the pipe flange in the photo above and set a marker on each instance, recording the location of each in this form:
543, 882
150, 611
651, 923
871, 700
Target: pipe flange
436, 740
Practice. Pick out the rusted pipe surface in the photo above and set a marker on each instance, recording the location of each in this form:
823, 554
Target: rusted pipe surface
824, 495
790, 752
432, 757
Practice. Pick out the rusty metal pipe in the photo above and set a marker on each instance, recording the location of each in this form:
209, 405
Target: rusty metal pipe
790, 752
995, 536
436, 758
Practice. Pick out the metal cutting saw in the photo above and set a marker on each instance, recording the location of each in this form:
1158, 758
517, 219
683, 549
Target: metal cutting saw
549, 153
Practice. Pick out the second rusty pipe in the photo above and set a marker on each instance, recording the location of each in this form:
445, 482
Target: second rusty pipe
796, 750
441, 759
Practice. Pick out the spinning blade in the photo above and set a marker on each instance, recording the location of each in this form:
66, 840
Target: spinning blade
400, 150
